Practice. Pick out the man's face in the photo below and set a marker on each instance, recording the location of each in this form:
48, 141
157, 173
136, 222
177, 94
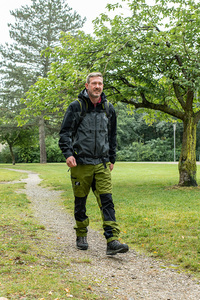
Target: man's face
95, 87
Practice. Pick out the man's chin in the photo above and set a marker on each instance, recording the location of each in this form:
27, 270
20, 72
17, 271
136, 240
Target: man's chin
96, 95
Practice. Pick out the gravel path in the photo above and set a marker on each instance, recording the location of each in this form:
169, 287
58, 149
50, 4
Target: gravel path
127, 276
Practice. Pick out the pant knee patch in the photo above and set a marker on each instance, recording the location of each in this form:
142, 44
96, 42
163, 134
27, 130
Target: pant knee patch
107, 207
80, 209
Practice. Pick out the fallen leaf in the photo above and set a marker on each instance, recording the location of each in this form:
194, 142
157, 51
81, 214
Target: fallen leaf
89, 288
67, 290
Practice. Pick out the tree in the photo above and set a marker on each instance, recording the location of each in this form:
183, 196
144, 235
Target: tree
10, 133
36, 28
150, 60
155, 65
24, 137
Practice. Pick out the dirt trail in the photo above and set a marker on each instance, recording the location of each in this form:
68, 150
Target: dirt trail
125, 276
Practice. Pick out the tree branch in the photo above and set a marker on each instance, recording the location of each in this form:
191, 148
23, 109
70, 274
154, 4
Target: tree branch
189, 100
178, 96
197, 117
126, 82
155, 106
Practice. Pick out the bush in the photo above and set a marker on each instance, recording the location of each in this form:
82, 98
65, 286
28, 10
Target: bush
28, 155
54, 153
153, 150
32, 154
5, 156
22, 155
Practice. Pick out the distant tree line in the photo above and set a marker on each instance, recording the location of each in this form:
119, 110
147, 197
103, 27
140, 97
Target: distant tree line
136, 141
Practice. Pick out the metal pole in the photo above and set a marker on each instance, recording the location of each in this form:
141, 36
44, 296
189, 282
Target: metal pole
174, 126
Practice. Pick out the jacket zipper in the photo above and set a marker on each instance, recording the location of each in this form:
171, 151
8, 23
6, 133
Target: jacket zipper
95, 134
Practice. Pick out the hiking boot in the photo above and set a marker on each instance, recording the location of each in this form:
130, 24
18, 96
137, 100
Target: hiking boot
115, 247
81, 242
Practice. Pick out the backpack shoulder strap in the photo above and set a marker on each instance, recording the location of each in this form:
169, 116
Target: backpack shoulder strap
106, 108
83, 106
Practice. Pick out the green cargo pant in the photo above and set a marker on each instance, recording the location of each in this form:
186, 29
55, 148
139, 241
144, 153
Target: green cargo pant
98, 178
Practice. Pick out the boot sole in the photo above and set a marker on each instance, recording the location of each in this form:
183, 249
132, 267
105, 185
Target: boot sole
82, 247
114, 252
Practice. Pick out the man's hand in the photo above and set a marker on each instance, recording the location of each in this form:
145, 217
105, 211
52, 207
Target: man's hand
71, 162
111, 167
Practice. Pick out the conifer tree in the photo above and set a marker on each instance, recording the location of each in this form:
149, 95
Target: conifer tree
37, 27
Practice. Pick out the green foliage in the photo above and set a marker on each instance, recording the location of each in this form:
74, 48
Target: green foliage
28, 155
147, 59
152, 60
153, 150
22, 137
31, 154
60, 87
36, 28
54, 153
139, 141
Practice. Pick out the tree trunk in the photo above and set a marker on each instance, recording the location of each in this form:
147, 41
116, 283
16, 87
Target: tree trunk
43, 155
187, 161
12, 154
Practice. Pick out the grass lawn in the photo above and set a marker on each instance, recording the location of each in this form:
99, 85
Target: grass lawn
156, 217
28, 268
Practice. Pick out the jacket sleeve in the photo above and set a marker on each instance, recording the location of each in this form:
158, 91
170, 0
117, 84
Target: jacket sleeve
67, 129
112, 134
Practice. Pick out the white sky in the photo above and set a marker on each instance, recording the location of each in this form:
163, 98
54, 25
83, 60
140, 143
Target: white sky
86, 8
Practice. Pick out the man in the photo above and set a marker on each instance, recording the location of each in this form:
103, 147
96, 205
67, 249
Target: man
88, 142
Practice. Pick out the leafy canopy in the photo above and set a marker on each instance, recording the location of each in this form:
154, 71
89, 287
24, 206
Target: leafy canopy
150, 59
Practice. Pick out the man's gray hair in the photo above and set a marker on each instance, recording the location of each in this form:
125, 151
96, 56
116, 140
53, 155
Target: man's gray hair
94, 74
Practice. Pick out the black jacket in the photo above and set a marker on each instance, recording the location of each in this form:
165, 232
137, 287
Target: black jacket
92, 138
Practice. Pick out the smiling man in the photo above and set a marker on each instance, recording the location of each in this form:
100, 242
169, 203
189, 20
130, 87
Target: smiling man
94, 87
88, 142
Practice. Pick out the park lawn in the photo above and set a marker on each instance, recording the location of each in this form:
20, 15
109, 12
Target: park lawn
156, 216
29, 268
6, 175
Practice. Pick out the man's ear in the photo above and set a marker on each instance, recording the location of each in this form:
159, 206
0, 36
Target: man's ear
86, 85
